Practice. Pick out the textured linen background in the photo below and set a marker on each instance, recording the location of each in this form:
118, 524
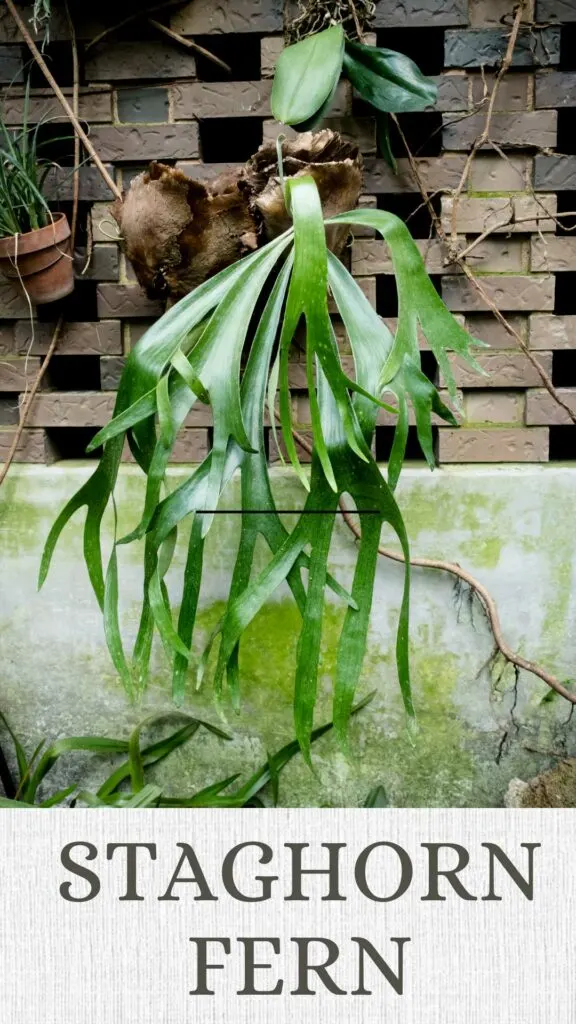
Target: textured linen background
111, 962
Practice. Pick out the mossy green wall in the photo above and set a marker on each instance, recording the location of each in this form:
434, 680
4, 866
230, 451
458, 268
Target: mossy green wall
478, 728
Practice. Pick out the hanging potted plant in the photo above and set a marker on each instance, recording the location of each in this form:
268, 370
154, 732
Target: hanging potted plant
34, 242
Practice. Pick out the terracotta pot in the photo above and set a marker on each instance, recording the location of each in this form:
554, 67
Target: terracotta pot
39, 261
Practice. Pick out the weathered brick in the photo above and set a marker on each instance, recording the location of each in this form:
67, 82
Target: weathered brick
555, 10
500, 214
420, 13
494, 407
17, 374
142, 105
452, 92
191, 446
72, 409
506, 291
95, 105
11, 65
198, 100
372, 256
142, 143
273, 453
205, 172
553, 252
532, 129
472, 48
104, 227
499, 255
117, 61
103, 265
201, 17
270, 49
484, 13
58, 185
111, 368
126, 300
13, 302
555, 89
31, 447
513, 444
78, 338
493, 174
542, 409
437, 174
488, 329
513, 92
503, 369
360, 130
555, 172
552, 332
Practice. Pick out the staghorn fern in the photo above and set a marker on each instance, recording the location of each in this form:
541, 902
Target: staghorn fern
194, 353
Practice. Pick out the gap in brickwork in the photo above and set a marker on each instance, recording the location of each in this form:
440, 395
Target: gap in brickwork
568, 48
424, 45
240, 52
71, 443
412, 210
423, 134
565, 291
429, 366
385, 438
562, 444
58, 57
56, 142
566, 203
80, 305
386, 295
566, 131
229, 139
564, 368
74, 373
9, 408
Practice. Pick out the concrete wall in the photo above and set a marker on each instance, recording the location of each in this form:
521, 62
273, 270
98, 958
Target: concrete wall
513, 528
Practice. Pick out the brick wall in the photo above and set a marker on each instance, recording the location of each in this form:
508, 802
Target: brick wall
146, 97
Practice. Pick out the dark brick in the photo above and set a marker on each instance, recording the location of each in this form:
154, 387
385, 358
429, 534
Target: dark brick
161, 142
155, 58
555, 89
437, 173
555, 173
142, 106
126, 300
201, 17
72, 409
473, 47
532, 129
31, 447
420, 13
78, 338
555, 10
452, 92
11, 65
111, 368
220, 99
103, 265
58, 185
94, 104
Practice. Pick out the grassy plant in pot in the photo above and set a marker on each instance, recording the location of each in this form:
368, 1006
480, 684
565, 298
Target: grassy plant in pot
34, 243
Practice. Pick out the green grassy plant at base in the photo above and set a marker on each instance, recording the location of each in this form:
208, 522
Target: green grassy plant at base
127, 786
